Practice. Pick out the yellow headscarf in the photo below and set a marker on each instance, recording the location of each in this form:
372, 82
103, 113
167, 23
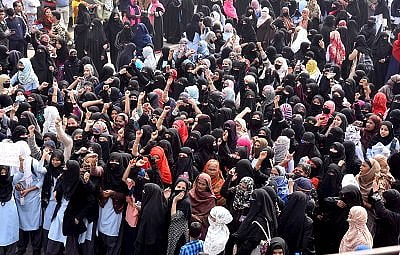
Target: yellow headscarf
312, 67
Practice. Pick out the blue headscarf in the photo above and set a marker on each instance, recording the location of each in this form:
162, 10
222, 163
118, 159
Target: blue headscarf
27, 76
141, 36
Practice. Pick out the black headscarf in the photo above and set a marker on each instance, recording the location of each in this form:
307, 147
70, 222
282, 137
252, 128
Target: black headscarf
331, 182
277, 243
6, 187
384, 140
113, 174
183, 205
392, 200
261, 207
70, 178
361, 44
185, 164
153, 216
244, 168
292, 219
52, 172
193, 140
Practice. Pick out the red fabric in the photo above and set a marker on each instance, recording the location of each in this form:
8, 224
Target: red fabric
337, 52
396, 49
162, 164
182, 130
379, 104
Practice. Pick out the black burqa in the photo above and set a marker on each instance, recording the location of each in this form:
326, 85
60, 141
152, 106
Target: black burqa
172, 20
81, 29
152, 228
292, 221
41, 62
111, 29
95, 41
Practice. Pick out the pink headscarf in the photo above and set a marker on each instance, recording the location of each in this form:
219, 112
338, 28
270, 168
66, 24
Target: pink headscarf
229, 9
153, 8
244, 141
358, 232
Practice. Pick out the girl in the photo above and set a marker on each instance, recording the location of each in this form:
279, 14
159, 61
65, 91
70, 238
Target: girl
386, 138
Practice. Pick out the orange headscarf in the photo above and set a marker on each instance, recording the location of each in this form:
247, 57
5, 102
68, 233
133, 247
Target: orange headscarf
162, 164
218, 181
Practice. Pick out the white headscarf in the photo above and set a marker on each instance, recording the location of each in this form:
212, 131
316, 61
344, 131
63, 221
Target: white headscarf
264, 16
50, 115
300, 38
217, 233
349, 179
149, 59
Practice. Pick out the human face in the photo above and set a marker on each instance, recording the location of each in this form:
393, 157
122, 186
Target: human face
114, 114
212, 170
119, 122
304, 14
298, 170
58, 45
56, 162
370, 125
3, 171
87, 72
2, 15
274, 172
364, 168
48, 13
18, 7
20, 66
384, 131
181, 186
201, 185
71, 122
277, 252
337, 121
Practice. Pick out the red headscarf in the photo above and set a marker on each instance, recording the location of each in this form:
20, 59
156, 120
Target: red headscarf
379, 104
182, 130
396, 48
162, 164
337, 52
202, 201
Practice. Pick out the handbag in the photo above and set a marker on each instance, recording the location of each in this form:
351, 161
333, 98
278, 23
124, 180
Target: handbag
262, 247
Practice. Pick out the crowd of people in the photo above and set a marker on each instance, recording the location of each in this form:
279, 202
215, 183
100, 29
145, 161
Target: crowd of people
271, 128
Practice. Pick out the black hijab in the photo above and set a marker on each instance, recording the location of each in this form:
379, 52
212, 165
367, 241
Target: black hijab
113, 174
331, 182
6, 187
261, 208
183, 205
292, 219
153, 215
185, 164
384, 140
70, 178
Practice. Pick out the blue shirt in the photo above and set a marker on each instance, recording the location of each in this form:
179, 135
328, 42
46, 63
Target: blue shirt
192, 248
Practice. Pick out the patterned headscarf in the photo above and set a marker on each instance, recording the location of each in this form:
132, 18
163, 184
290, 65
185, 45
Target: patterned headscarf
242, 197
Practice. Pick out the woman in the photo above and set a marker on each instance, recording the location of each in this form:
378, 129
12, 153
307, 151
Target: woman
361, 54
54, 171
381, 53
193, 32
43, 65
265, 31
47, 19
97, 44
133, 13
238, 202
112, 28
156, 11
384, 142
9, 229
180, 216
151, 239
25, 76
81, 30
230, 10
176, 20
277, 246
62, 56
141, 36
162, 163
149, 59
336, 52
295, 226
369, 169
218, 232
371, 129
358, 233
212, 168
261, 219
202, 200
111, 201
75, 197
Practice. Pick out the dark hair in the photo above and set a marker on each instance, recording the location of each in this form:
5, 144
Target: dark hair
17, 2
2, 10
10, 12
195, 229
56, 15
